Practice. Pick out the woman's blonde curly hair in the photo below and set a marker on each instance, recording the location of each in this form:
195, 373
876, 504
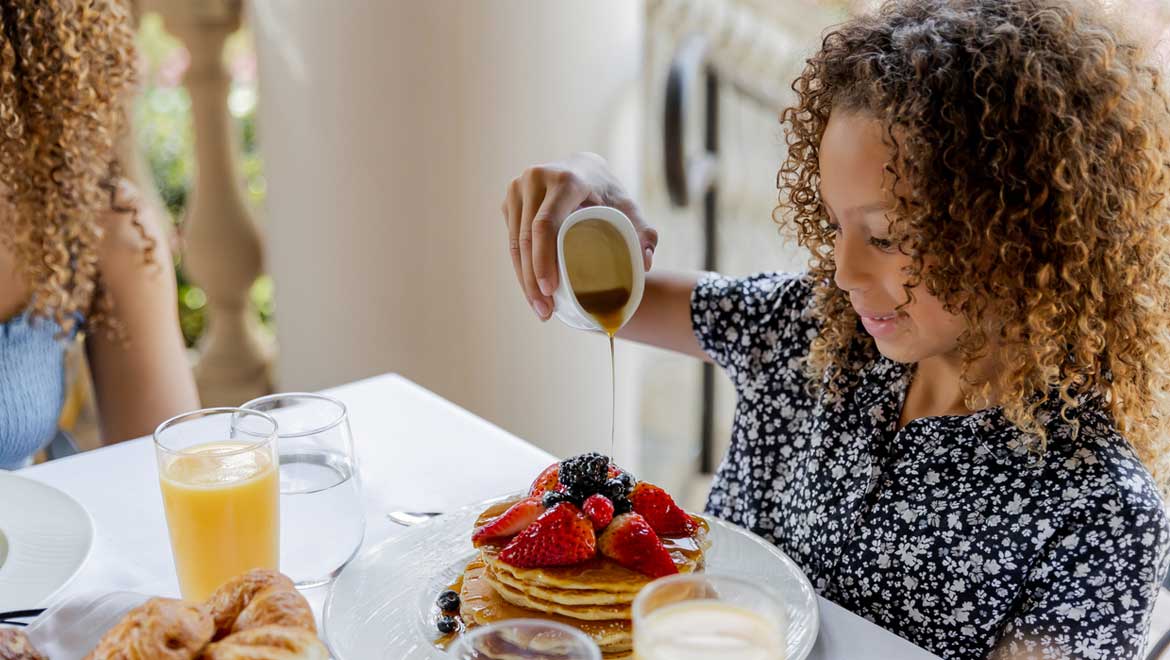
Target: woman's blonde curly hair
1033, 140
66, 70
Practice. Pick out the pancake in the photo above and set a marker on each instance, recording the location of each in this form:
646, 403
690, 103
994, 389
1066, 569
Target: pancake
522, 598
570, 597
593, 596
480, 604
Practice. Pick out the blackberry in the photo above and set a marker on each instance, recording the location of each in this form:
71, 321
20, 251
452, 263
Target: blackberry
448, 601
616, 488
585, 472
577, 493
447, 624
553, 498
622, 505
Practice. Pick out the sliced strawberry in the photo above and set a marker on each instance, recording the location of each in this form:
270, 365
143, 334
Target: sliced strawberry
560, 537
513, 521
659, 509
630, 541
548, 480
599, 509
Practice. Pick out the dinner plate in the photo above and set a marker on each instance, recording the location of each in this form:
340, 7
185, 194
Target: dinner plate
45, 538
380, 604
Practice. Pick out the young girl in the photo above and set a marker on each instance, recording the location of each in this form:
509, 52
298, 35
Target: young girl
956, 421
75, 252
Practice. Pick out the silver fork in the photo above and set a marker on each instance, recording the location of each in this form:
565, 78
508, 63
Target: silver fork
411, 518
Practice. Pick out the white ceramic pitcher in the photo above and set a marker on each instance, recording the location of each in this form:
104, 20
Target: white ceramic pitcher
566, 306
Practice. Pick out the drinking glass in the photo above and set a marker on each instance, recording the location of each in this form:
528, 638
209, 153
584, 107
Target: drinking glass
322, 519
708, 617
524, 638
217, 471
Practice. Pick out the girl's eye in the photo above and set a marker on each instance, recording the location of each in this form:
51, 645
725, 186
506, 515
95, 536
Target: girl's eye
883, 244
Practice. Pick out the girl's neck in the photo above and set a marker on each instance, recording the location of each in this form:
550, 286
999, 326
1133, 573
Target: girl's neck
935, 389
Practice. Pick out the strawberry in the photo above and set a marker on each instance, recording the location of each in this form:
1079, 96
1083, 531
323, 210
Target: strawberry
630, 541
546, 481
513, 521
659, 509
560, 537
599, 509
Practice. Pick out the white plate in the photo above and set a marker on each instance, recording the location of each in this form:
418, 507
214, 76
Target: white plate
380, 605
45, 538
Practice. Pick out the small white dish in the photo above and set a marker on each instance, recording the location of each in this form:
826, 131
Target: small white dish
565, 304
44, 541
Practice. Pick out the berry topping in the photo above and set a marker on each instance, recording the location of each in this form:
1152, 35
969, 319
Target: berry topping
448, 601
659, 509
554, 497
630, 541
585, 474
546, 481
447, 624
560, 537
512, 521
615, 489
599, 509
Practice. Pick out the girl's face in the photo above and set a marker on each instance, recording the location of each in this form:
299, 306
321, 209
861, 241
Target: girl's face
869, 266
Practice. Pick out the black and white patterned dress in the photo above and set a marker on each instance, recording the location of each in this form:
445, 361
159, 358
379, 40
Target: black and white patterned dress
946, 532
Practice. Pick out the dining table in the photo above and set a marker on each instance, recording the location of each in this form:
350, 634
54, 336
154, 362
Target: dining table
417, 452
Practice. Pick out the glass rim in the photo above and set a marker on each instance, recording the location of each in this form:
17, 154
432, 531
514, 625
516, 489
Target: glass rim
480, 631
637, 607
341, 417
208, 412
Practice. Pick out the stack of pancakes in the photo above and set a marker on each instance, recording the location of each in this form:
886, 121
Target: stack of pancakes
593, 596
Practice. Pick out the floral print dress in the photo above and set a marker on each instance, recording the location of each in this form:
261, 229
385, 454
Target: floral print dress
947, 532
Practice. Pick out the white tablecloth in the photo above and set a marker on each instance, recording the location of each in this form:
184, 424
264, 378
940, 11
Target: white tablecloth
418, 452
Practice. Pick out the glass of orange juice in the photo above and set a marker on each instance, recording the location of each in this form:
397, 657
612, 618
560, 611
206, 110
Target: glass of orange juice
219, 475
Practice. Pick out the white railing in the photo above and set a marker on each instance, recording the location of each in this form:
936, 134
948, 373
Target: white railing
717, 74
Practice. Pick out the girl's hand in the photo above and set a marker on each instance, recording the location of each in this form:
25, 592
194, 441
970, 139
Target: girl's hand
539, 200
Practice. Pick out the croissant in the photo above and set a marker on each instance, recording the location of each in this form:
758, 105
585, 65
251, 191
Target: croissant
15, 646
159, 629
268, 643
257, 598
257, 616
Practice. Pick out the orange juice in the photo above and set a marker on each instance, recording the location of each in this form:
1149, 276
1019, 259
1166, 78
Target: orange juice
222, 501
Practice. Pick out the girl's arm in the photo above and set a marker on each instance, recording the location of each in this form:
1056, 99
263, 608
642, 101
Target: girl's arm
147, 379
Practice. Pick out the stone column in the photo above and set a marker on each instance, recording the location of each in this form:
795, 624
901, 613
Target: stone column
221, 246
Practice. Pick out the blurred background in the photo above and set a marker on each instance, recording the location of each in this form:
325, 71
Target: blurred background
334, 171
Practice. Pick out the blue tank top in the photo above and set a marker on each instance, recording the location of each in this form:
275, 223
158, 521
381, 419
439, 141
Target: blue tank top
32, 386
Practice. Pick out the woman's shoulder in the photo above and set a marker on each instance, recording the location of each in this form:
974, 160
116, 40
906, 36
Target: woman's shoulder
764, 301
134, 249
129, 226
745, 322
761, 293
1096, 462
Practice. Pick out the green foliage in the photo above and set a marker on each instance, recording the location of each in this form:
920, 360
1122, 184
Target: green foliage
163, 128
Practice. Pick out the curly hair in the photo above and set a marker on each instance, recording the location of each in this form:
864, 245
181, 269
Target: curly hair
1031, 139
66, 68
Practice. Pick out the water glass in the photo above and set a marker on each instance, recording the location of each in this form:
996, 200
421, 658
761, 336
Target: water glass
217, 471
515, 639
322, 519
708, 617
